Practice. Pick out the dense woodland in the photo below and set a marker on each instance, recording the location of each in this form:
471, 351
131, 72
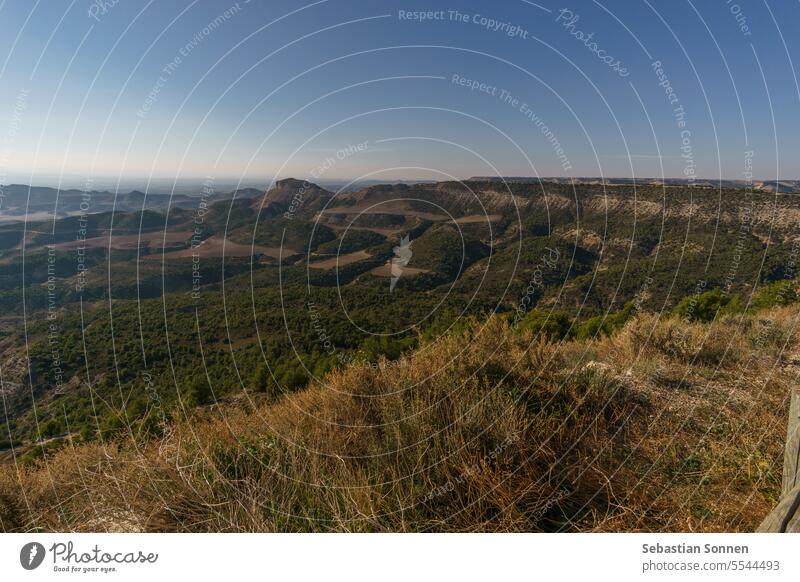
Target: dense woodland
114, 341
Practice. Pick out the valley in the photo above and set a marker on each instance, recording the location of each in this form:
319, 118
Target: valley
112, 317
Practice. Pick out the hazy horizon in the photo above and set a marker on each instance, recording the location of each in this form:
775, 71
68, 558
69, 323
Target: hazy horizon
249, 90
191, 184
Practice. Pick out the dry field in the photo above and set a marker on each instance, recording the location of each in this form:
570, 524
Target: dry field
215, 247
340, 260
128, 241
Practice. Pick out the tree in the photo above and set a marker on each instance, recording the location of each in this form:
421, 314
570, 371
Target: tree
703, 307
51, 428
554, 325
198, 392
261, 379
604, 324
777, 293
87, 433
294, 378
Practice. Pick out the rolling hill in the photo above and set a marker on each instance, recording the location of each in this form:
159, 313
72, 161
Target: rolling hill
113, 322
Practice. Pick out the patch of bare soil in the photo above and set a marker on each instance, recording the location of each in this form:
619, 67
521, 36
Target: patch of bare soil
340, 260
215, 247
128, 241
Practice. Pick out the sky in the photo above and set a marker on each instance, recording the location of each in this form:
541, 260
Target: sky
104, 91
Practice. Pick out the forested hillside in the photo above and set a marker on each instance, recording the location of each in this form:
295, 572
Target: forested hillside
113, 321
663, 425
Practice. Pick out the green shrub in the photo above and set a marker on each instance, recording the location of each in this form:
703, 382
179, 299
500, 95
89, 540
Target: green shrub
198, 392
703, 307
604, 324
554, 325
773, 294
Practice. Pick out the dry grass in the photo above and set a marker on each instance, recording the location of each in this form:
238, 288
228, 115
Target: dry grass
665, 426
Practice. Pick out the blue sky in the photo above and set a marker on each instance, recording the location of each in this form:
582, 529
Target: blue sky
251, 90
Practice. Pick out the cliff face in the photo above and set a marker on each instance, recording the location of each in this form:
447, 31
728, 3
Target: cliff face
293, 196
763, 213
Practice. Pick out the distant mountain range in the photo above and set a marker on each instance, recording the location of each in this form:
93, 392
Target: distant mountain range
41, 203
782, 186
37, 203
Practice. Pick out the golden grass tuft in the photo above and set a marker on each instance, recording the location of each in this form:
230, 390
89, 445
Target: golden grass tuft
665, 426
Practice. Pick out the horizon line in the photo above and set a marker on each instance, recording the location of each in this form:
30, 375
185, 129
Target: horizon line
242, 180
